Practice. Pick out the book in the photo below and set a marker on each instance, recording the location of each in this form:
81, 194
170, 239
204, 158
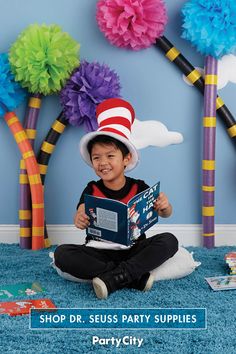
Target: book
231, 256
22, 307
22, 289
227, 282
114, 221
230, 259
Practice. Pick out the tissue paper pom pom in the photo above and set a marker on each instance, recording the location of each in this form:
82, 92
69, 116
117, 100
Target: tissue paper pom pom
43, 57
89, 85
210, 25
11, 94
133, 24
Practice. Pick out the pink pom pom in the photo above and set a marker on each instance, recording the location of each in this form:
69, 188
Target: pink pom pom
133, 24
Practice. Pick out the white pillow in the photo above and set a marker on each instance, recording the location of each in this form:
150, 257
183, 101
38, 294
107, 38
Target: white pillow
178, 266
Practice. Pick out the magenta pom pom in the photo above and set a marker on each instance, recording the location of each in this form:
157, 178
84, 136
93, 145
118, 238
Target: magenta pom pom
132, 24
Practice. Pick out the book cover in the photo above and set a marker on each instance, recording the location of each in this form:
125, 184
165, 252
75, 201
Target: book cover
114, 221
22, 307
230, 259
21, 289
231, 256
222, 282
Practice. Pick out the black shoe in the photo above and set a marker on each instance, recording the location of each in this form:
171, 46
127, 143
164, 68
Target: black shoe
111, 281
144, 283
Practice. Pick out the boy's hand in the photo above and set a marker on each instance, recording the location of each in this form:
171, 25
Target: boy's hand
81, 220
162, 206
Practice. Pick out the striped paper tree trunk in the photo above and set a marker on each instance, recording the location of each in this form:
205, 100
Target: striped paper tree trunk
25, 211
36, 187
208, 162
194, 76
45, 153
49, 144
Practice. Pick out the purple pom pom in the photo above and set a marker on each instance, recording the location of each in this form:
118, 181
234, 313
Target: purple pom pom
89, 85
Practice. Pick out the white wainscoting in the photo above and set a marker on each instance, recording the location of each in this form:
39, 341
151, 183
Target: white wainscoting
187, 234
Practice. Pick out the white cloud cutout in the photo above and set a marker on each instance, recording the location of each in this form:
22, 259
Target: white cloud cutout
226, 71
153, 133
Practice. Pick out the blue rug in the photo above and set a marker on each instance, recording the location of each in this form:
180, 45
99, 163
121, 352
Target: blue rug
28, 266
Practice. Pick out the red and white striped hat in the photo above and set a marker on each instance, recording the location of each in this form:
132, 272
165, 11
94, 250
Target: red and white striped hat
115, 118
132, 210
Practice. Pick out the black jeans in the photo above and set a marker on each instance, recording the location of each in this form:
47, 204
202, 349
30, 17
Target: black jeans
88, 262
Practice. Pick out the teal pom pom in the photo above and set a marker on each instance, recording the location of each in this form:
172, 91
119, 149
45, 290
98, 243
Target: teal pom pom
210, 25
11, 93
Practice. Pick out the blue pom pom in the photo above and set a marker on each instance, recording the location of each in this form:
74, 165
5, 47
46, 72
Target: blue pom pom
11, 94
210, 25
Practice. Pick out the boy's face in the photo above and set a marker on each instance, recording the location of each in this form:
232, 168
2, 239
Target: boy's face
108, 162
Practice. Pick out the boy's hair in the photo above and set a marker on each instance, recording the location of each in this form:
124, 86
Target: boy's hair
107, 140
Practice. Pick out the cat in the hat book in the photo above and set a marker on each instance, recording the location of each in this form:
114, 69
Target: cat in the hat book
115, 221
21, 289
22, 307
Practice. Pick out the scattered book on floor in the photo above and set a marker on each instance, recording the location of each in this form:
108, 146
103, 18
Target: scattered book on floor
227, 282
22, 307
230, 259
118, 222
22, 289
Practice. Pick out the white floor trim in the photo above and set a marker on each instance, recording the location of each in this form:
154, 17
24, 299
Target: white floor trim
187, 234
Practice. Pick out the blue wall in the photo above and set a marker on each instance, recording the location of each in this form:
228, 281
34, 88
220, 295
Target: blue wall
156, 90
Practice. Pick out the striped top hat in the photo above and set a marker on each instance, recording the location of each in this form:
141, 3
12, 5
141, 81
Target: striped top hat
115, 118
132, 210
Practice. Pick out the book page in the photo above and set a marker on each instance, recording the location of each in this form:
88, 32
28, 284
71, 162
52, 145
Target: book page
222, 282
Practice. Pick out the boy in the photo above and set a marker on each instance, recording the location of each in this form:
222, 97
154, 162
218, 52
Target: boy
114, 266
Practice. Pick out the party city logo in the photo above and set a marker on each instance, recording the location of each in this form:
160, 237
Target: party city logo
117, 342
